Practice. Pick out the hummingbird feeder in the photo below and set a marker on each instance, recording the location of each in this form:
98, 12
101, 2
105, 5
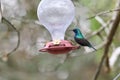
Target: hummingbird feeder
56, 16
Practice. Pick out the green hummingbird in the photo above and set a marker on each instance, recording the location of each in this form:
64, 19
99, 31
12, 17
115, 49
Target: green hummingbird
79, 38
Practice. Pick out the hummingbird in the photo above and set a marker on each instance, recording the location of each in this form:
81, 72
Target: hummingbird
80, 39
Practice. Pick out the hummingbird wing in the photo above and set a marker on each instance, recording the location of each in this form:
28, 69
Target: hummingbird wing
84, 42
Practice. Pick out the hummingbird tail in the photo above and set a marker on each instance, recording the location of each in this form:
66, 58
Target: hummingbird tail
94, 48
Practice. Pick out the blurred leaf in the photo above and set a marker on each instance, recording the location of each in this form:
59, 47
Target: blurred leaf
98, 5
94, 24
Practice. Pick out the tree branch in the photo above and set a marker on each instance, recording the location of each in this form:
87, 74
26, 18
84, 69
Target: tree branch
115, 55
116, 78
99, 30
4, 20
114, 26
102, 13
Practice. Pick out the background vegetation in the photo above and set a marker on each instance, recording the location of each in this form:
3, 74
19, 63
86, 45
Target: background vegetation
27, 63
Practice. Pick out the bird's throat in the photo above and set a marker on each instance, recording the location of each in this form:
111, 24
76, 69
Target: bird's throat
79, 36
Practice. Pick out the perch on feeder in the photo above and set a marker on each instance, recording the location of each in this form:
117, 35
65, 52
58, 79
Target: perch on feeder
56, 16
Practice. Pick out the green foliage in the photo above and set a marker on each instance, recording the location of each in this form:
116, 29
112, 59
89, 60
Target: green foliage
94, 24
96, 5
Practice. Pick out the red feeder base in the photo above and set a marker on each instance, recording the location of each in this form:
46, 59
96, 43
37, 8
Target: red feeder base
63, 47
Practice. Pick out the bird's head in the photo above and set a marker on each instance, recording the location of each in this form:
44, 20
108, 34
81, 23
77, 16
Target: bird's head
76, 30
